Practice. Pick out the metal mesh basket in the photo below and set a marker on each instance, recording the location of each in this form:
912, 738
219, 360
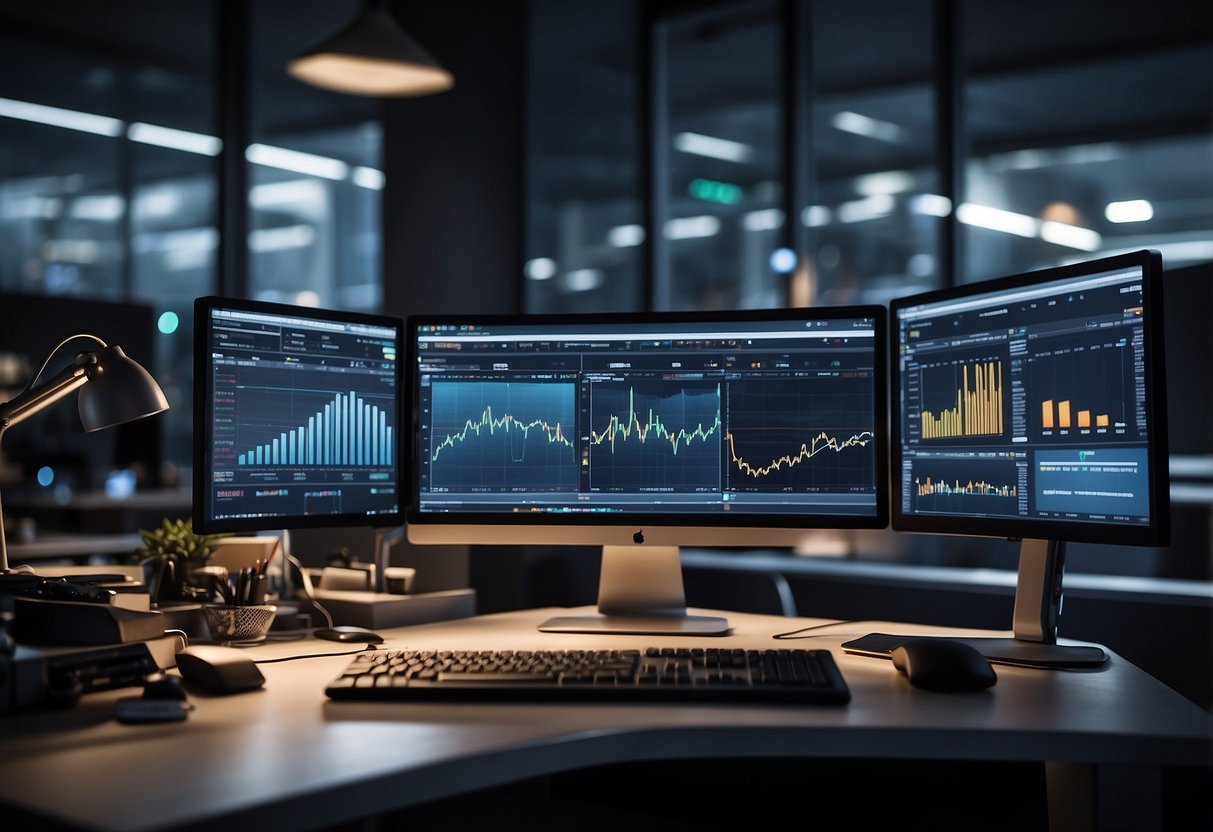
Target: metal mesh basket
247, 623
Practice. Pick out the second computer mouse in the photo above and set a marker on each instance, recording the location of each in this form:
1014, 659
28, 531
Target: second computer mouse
943, 664
346, 632
217, 669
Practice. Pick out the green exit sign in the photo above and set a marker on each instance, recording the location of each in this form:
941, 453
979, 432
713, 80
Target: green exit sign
709, 190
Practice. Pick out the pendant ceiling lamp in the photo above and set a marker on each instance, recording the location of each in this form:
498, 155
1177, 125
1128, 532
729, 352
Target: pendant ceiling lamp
372, 56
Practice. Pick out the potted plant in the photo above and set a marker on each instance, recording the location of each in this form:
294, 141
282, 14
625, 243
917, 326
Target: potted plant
170, 553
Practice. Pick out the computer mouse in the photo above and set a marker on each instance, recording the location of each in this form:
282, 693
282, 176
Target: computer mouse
943, 664
346, 632
219, 670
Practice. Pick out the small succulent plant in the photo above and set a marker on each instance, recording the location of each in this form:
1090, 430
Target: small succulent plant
176, 540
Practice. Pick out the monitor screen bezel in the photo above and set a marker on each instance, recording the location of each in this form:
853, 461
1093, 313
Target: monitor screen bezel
634, 528
1157, 531
202, 445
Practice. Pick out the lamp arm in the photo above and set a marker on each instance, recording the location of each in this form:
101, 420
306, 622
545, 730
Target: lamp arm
29, 402
34, 379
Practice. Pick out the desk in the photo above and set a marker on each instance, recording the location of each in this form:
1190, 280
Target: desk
287, 758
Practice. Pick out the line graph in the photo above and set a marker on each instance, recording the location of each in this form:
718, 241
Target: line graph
655, 434
808, 450
503, 435
801, 434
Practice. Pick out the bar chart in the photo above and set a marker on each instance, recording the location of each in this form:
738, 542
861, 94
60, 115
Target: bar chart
348, 430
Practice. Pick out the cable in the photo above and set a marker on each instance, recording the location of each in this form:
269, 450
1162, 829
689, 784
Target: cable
305, 583
371, 647
797, 633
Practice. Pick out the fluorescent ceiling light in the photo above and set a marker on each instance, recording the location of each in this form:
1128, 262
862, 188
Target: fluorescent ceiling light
871, 128
57, 117
932, 205
174, 139
541, 268
98, 208
295, 194
687, 228
583, 280
996, 219
767, 219
281, 239
712, 147
625, 236
1132, 210
368, 178
885, 182
296, 161
868, 208
1072, 236
815, 216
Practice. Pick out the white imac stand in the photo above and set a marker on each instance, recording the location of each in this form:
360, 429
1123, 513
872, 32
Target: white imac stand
640, 592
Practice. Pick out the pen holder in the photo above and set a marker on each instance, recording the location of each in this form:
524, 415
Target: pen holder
247, 623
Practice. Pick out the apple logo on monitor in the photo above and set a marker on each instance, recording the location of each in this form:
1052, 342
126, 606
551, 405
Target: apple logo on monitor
638, 537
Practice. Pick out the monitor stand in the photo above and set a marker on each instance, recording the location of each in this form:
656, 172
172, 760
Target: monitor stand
1034, 623
640, 592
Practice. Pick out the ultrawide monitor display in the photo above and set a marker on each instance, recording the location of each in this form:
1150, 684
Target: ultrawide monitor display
706, 429
1030, 406
297, 417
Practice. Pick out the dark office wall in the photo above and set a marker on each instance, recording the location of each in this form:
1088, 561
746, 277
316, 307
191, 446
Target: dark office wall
453, 215
453, 212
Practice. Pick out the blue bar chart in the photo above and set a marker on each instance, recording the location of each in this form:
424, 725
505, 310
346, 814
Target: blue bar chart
348, 430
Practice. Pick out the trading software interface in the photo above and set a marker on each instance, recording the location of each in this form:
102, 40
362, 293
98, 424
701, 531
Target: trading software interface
1028, 403
302, 416
742, 417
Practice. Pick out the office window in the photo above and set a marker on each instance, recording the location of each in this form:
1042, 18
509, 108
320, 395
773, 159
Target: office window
870, 225
1090, 132
109, 175
107, 190
584, 239
718, 149
315, 170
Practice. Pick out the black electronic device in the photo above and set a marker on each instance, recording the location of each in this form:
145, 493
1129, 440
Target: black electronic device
297, 417
347, 633
943, 664
641, 433
219, 670
1030, 407
663, 673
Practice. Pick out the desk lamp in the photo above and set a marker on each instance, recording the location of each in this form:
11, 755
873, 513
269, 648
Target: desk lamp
113, 390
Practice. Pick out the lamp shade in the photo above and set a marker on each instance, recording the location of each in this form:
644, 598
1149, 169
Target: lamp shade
119, 390
372, 56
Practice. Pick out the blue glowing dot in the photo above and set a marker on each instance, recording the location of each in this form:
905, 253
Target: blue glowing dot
168, 322
783, 260
46, 475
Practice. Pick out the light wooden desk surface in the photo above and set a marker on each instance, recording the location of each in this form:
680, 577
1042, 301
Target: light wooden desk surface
286, 757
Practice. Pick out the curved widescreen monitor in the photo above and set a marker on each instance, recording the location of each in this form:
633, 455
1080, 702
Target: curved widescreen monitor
297, 417
1032, 406
708, 429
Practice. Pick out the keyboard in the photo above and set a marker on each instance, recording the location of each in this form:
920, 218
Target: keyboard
655, 674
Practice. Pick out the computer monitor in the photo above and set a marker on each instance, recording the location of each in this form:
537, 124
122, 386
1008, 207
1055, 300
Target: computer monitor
642, 433
1031, 408
297, 417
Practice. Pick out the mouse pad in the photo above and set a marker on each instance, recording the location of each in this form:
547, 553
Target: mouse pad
997, 650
